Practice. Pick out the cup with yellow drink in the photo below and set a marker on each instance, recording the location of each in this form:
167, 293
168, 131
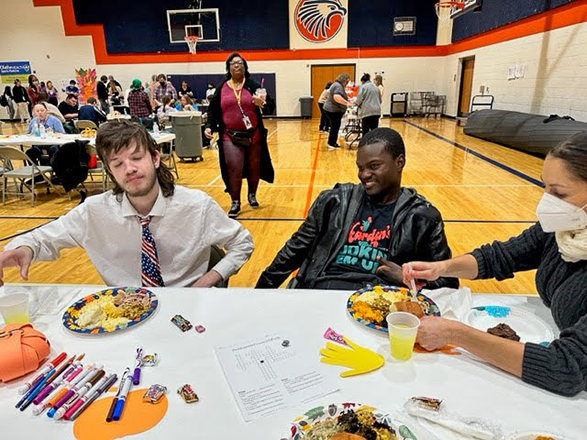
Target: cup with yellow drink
15, 308
403, 328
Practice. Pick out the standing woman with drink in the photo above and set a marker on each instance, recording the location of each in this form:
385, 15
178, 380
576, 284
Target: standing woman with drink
235, 113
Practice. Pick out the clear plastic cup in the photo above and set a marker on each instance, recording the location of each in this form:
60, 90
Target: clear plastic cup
403, 328
261, 93
15, 308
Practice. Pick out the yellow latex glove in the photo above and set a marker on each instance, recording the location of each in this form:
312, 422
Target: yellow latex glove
361, 360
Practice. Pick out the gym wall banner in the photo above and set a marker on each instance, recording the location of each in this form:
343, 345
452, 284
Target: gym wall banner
318, 24
11, 70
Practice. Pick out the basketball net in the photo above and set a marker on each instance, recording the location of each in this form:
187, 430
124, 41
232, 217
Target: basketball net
444, 10
192, 42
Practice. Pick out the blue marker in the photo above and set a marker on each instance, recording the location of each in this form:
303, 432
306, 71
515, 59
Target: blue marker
122, 398
29, 397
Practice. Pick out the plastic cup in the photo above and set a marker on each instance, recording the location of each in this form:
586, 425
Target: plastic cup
403, 328
15, 308
261, 93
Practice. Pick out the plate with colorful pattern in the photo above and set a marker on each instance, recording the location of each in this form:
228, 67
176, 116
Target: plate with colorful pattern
429, 306
71, 315
320, 422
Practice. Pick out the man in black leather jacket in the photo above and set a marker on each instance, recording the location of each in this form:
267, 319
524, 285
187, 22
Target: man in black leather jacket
358, 234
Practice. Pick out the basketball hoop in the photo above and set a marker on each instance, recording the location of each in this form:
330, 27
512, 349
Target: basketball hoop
445, 9
192, 42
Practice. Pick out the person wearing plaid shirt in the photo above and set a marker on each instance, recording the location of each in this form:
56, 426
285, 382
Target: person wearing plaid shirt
138, 100
164, 88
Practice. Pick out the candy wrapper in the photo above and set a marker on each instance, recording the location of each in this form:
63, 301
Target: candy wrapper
331, 335
432, 410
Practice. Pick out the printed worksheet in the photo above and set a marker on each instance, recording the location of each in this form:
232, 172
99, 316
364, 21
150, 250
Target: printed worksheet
273, 372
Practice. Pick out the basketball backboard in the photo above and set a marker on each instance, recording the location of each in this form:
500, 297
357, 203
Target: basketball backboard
470, 5
203, 23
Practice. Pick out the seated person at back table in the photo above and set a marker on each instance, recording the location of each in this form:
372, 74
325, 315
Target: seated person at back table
50, 123
91, 111
146, 231
359, 234
557, 247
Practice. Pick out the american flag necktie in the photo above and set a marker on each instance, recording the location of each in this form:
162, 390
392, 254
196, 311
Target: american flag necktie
150, 268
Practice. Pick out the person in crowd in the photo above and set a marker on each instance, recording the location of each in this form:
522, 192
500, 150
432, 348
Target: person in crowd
210, 90
72, 88
102, 92
235, 113
50, 124
369, 104
51, 109
165, 110
185, 90
378, 81
163, 88
152, 85
43, 86
359, 234
185, 104
145, 202
138, 101
6, 100
69, 108
556, 247
116, 83
115, 96
335, 107
33, 90
21, 99
324, 121
91, 111
53, 93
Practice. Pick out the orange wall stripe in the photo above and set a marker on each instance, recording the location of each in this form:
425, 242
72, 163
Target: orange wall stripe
566, 15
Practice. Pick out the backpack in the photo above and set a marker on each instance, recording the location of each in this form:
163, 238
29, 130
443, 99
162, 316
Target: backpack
70, 164
3, 101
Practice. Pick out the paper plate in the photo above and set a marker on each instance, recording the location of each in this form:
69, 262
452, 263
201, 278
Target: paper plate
529, 327
532, 435
302, 424
71, 314
432, 308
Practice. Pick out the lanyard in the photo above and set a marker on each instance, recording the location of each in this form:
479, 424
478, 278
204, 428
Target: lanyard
236, 95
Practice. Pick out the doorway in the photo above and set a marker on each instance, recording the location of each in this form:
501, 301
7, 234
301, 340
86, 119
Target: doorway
467, 69
323, 73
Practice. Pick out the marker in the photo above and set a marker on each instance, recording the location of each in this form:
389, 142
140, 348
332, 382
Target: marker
71, 388
60, 391
123, 381
28, 385
121, 400
30, 395
83, 397
63, 368
96, 376
94, 395
46, 392
136, 378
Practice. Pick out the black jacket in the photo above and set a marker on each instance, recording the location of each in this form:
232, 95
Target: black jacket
214, 122
19, 94
70, 164
101, 91
418, 234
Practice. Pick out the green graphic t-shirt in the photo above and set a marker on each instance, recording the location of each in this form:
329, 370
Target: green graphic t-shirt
368, 238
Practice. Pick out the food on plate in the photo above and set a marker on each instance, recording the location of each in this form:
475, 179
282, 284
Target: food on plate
543, 437
109, 312
503, 331
359, 424
412, 307
88, 133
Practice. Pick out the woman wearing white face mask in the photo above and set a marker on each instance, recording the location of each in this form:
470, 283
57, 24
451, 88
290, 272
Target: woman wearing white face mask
557, 247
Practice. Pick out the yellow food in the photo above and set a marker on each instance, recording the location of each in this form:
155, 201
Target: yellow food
101, 313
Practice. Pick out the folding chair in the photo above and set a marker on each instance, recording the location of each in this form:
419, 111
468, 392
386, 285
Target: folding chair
82, 125
28, 171
170, 157
100, 169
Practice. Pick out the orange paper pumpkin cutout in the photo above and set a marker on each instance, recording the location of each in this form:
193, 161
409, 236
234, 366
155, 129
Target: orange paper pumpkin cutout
22, 350
137, 417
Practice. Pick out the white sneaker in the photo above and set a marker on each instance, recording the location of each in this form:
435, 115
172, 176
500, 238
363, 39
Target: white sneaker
330, 147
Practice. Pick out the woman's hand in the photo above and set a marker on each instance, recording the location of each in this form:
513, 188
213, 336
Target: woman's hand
435, 332
208, 133
419, 270
259, 102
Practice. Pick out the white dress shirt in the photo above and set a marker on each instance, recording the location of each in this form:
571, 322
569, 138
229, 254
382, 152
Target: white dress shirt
184, 227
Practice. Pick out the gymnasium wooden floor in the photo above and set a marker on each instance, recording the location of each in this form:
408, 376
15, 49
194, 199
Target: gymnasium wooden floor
484, 192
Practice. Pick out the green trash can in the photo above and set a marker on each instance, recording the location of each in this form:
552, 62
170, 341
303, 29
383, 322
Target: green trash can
306, 106
187, 127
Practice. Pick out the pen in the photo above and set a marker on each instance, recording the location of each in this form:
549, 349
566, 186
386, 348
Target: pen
136, 378
71, 388
83, 389
84, 396
63, 368
121, 400
53, 364
30, 395
47, 391
94, 395
123, 381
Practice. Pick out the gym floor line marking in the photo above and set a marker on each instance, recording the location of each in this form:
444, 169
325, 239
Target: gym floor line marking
479, 155
22, 232
313, 176
271, 185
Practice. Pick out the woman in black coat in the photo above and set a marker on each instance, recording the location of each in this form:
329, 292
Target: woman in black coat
235, 113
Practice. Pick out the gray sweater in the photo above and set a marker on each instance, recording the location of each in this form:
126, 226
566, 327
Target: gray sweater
562, 366
369, 100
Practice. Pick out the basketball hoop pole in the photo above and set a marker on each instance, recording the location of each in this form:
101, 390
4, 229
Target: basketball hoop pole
445, 9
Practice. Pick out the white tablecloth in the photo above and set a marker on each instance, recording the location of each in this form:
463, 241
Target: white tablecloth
467, 386
60, 139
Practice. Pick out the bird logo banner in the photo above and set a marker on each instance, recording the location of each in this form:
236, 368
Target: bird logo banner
318, 24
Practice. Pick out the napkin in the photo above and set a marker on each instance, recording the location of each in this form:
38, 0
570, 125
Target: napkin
453, 303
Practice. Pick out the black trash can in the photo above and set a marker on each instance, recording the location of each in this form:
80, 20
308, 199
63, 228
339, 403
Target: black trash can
306, 106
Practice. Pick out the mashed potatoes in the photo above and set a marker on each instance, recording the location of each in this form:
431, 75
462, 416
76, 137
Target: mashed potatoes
101, 313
